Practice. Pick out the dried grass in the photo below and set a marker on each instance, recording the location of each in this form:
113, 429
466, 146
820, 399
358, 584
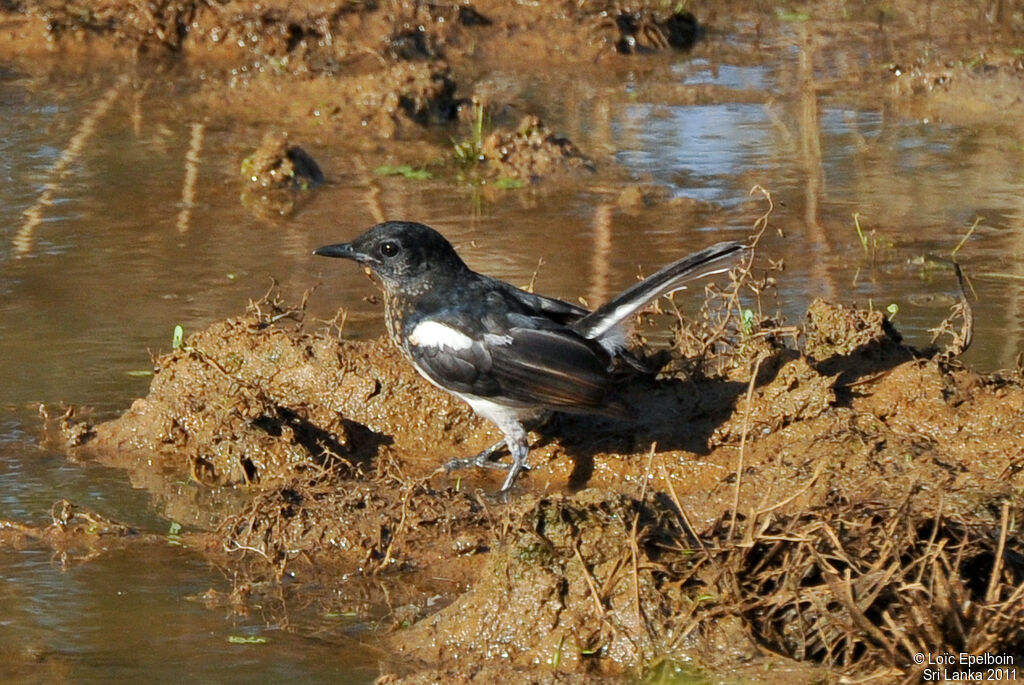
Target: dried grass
865, 587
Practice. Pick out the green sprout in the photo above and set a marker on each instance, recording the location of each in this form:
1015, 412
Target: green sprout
792, 15
508, 183
557, 657
747, 322
470, 151
860, 232
404, 170
174, 534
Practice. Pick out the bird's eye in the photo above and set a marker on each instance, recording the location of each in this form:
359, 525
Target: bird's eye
390, 248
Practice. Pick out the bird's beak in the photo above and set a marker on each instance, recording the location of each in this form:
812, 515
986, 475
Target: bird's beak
343, 250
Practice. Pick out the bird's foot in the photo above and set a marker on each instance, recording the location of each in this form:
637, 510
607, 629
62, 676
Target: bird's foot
475, 462
484, 460
513, 471
481, 461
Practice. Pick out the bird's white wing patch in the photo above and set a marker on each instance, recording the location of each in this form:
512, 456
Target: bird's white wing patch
435, 334
495, 339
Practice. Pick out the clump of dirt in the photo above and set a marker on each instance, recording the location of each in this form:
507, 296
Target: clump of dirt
278, 165
425, 93
77, 534
530, 152
384, 101
844, 510
836, 330
796, 391
278, 175
642, 30
640, 196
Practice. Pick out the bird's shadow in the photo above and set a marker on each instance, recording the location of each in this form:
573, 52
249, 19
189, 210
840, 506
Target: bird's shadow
683, 414
360, 447
675, 414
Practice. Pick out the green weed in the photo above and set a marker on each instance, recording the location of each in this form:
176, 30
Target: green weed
405, 170
470, 151
791, 15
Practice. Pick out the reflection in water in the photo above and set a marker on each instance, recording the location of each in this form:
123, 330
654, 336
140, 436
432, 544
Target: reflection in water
188, 188
114, 619
737, 77
600, 288
33, 216
826, 153
703, 143
811, 163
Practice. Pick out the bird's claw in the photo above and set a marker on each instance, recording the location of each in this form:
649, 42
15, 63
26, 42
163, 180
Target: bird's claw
478, 462
473, 462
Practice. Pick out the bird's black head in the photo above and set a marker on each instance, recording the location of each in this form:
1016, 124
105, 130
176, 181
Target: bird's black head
407, 257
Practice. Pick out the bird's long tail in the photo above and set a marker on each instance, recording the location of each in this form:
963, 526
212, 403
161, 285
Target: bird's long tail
709, 261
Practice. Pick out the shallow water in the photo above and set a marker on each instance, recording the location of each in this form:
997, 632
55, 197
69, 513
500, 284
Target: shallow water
102, 258
120, 618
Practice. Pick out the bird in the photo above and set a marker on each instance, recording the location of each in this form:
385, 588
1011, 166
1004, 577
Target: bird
513, 356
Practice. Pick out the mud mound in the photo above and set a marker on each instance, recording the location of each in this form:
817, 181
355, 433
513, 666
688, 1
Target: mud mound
573, 578
644, 30
277, 176
278, 165
248, 401
531, 152
836, 330
844, 510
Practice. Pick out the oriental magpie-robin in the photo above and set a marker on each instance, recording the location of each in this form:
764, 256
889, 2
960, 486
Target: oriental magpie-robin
513, 356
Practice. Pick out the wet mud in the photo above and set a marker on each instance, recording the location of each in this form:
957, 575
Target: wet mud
838, 511
278, 175
797, 503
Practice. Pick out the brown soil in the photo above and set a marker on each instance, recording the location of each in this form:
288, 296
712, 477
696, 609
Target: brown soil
788, 513
530, 152
838, 514
277, 175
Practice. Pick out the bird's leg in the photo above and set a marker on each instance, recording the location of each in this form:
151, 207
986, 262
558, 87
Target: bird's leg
482, 460
519, 447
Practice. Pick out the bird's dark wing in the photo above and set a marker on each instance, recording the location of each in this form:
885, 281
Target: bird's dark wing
550, 367
547, 307
556, 368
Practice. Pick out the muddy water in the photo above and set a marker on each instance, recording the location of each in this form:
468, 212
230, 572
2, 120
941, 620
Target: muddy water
106, 246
